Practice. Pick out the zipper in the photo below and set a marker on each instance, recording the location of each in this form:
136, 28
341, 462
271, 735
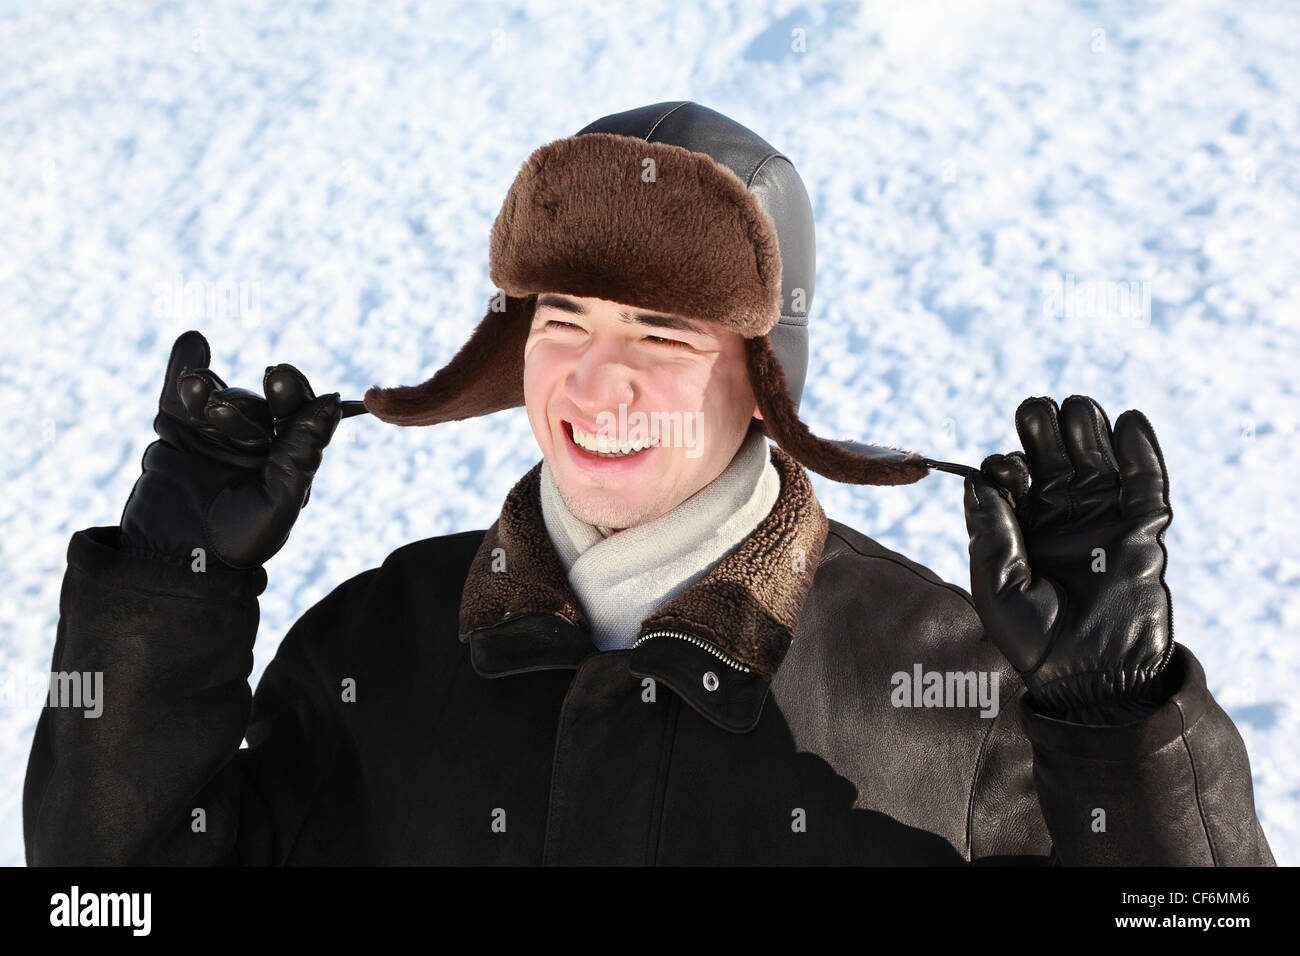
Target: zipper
713, 649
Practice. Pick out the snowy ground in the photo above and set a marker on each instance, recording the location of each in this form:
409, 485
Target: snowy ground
985, 180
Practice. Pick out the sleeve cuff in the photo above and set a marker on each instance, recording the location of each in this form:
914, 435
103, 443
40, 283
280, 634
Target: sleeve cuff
1110, 713
94, 552
1183, 707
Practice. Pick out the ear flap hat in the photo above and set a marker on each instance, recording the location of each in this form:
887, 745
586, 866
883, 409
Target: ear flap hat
670, 208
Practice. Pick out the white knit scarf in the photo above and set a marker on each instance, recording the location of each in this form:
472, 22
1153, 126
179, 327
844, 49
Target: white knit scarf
622, 577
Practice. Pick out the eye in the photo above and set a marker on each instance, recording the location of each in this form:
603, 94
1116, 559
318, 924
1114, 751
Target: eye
660, 339
563, 325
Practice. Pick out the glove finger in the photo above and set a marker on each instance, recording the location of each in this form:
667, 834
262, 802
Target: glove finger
1087, 436
1010, 474
1016, 460
287, 390
242, 418
296, 451
1049, 464
190, 350
997, 546
1144, 483
1006, 595
193, 388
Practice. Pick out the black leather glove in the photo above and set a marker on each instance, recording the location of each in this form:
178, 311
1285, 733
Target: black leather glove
1068, 557
230, 470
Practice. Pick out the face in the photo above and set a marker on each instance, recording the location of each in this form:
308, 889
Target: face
634, 412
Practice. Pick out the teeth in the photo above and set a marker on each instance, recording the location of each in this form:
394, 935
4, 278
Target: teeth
604, 445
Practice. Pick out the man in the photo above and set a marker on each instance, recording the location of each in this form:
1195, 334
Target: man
662, 651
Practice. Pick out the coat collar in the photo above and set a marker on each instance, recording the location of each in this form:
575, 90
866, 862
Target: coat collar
717, 644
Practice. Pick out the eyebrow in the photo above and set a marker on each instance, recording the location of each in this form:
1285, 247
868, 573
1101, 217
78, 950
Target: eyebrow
626, 315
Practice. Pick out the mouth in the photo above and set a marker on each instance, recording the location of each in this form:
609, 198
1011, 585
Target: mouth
588, 447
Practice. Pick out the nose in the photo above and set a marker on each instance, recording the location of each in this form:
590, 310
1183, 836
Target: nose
600, 379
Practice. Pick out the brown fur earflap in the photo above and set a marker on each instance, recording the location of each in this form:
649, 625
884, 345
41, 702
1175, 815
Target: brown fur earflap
653, 225
848, 462
485, 376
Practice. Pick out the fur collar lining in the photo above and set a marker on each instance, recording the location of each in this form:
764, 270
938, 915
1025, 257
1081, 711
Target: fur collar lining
749, 605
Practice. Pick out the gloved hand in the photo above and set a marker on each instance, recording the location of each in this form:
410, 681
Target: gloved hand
1068, 558
230, 470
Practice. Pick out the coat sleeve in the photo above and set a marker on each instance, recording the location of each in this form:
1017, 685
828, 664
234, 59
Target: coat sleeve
158, 776
1171, 787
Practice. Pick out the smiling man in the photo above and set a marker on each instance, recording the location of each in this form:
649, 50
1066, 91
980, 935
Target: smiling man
662, 651
683, 386
685, 391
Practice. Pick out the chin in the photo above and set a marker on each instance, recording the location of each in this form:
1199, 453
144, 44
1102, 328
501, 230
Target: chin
607, 510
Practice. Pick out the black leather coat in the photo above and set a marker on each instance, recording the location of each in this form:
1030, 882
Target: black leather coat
450, 707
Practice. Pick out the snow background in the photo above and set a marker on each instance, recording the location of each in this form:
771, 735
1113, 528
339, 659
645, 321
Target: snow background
345, 161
